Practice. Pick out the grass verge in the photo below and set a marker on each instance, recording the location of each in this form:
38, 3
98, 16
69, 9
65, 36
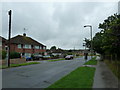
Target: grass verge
56, 60
93, 61
114, 66
17, 65
82, 77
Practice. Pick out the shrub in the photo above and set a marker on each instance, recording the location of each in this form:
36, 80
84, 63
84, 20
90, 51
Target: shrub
77, 55
3, 54
14, 55
69, 53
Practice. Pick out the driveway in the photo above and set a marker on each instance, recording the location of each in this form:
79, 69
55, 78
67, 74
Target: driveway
39, 75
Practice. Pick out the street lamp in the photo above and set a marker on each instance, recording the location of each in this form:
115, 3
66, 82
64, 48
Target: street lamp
9, 13
91, 37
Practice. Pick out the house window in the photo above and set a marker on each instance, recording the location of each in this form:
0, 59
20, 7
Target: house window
19, 46
27, 54
44, 47
27, 46
40, 47
36, 47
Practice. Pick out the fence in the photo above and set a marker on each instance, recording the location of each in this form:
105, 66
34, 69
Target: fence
111, 57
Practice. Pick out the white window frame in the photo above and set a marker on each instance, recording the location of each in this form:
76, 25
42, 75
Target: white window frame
36, 47
19, 46
44, 47
27, 54
40, 47
27, 46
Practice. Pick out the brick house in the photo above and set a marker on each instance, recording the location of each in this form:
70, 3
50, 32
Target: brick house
3, 43
26, 45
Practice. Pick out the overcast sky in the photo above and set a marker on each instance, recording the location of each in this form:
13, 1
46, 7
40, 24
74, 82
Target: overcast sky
56, 23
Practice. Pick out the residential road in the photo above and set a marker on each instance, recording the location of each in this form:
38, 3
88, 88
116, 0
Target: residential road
39, 75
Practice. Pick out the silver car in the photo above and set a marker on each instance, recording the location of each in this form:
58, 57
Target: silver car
68, 57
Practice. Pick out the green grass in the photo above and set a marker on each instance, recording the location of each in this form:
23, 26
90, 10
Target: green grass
56, 60
82, 77
17, 65
3, 66
93, 61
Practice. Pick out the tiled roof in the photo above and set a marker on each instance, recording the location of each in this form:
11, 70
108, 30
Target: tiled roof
19, 39
3, 39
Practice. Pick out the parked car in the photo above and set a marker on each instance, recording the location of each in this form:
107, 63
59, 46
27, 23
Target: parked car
47, 57
37, 57
28, 58
68, 57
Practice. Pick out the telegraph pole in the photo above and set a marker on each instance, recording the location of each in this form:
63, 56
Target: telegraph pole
9, 13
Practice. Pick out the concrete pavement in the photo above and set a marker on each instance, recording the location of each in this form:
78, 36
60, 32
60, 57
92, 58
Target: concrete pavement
104, 78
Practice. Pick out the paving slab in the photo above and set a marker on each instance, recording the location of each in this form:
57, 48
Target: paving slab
104, 78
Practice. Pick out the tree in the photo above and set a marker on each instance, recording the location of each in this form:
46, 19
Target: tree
53, 48
88, 43
107, 41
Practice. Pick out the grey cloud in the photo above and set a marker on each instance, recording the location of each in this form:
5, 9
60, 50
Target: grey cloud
59, 24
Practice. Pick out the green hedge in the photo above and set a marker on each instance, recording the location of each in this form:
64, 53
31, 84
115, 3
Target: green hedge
14, 55
3, 54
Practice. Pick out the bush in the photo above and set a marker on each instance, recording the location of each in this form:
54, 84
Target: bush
54, 57
77, 55
14, 55
3, 54
69, 53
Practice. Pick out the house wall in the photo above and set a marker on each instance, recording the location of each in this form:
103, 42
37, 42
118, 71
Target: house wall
15, 48
3, 45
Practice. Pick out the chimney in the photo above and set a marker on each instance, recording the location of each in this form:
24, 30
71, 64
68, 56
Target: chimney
24, 34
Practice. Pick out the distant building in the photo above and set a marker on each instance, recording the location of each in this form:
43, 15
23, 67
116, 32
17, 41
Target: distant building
26, 46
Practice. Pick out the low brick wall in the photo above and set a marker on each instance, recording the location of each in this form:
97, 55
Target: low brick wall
13, 61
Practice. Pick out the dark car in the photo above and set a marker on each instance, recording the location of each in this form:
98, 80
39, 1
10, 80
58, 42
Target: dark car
37, 57
28, 58
68, 57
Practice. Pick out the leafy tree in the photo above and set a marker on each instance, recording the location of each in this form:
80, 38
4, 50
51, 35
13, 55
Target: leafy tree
107, 41
53, 48
97, 43
88, 43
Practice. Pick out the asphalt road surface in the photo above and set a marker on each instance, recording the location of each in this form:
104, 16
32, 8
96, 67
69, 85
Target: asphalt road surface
39, 75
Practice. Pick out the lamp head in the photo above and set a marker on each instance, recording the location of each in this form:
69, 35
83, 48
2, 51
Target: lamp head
87, 26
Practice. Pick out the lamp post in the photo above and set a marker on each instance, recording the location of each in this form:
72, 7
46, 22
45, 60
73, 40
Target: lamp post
9, 13
91, 38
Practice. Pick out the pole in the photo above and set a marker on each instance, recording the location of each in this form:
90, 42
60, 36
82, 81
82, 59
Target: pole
91, 49
9, 13
91, 41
